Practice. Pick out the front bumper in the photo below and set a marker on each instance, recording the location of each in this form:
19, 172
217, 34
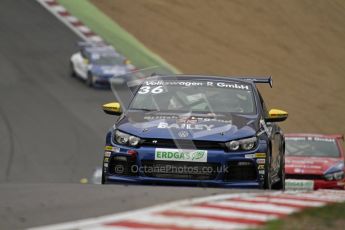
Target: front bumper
224, 160
102, 81
323, 184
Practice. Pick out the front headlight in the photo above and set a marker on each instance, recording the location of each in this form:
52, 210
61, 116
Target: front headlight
243, 144
335, 176
336, 172
126, 139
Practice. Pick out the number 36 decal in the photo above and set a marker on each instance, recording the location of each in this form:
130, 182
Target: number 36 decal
147, 89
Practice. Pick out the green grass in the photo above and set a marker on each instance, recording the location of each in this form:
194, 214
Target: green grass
327, 217
114, 34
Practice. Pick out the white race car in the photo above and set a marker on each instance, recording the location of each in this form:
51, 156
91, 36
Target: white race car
97, 63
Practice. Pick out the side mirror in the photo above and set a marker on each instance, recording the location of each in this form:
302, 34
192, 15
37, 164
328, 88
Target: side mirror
113, 108
276, 115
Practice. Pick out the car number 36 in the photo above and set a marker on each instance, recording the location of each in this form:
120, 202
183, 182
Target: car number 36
147, 89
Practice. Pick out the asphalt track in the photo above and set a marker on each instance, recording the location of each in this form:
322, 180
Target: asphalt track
52, 129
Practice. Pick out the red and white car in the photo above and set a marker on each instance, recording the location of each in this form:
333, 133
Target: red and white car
314, 161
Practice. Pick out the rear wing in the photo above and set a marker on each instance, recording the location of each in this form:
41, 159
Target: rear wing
266, 80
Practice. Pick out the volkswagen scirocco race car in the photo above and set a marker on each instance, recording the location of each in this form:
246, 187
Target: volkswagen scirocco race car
196, 130
314, 161
97, 63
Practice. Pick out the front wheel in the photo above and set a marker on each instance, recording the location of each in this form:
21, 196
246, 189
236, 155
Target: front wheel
89, 81
268, 174
72, 71
280, 185
103, 177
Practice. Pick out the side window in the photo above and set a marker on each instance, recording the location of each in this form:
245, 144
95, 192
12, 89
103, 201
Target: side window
263, 106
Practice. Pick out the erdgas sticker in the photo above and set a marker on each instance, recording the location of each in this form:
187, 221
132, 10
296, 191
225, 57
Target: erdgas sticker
181, 155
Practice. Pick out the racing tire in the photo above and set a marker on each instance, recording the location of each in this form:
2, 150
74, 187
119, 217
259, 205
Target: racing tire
103, 177
280, 185
89, 80
72, 72
268, 174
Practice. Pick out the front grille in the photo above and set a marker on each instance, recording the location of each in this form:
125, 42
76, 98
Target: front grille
240, 170
180, 170
122, 166
183, 144
304, 176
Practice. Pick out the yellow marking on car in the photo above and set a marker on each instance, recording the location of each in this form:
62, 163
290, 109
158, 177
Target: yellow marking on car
108, 148
260, 155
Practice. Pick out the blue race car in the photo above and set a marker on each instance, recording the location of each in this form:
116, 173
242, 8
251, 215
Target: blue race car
196, 130
97, 63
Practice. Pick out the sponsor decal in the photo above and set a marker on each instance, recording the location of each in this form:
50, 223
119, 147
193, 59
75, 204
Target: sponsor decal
106, 165
261, 167
299, 184
107, 154
108, 148
262, 172
233, 86
176, 83
295, 138
106, 159
181, 155
157, 86
323, 139
189, 120
111, 148
249, 156
261, 161
164, 125
260, 155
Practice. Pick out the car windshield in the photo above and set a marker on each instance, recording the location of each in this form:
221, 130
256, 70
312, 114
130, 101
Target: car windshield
202, 96
311, 146
107, 60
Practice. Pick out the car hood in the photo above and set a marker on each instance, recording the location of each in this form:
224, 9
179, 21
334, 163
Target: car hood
309, 165
191, 126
